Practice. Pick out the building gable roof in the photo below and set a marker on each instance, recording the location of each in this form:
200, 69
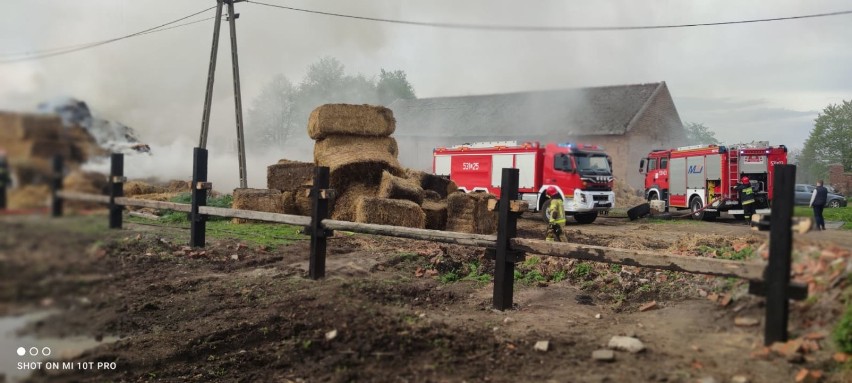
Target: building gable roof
608, 110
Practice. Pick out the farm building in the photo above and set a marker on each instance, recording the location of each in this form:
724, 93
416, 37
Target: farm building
628, 120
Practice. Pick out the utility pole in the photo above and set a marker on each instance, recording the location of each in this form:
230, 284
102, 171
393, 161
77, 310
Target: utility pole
208, 96
211, 71
238, 102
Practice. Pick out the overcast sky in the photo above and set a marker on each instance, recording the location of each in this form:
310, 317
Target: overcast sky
763, 81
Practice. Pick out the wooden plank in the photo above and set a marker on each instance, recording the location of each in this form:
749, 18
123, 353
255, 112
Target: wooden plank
152, 204
642, 258
144, 215
411, 233
83, 197
297, 220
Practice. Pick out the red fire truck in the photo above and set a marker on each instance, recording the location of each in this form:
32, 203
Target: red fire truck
581, 173
694, 177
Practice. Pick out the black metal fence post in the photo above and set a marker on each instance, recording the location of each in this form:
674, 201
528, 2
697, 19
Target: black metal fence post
780, 255
507, 228
319, 201
116, 189
198, 222
5, 180
55, 187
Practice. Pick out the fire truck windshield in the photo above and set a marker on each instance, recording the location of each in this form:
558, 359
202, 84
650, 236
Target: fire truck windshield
592, 163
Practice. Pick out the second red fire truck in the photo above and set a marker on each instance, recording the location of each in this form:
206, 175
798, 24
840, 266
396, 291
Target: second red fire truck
581, 173
703, 178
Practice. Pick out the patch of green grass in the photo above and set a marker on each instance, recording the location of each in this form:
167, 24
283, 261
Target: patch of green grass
582, 270
475, 274
268, 235
532, 277
559, 276
449, 277
830, 214
842, 333
172, 216
615, 268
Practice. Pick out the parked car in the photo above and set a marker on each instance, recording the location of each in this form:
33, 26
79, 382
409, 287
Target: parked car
803, 196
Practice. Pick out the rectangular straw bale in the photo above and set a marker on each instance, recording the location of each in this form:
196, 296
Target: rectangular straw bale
400, 188
436, 215
468, 212
265, 200
42, 127
361, 120
347, 199
288, 175
29, 197
303, 202
11, 127
431, 195
439, 184
344, 149
384, 211
288, 203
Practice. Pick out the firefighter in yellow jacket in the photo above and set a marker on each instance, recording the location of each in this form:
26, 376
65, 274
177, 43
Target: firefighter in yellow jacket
555, 212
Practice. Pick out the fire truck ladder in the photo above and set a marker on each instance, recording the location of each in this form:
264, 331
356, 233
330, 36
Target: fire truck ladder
733, 171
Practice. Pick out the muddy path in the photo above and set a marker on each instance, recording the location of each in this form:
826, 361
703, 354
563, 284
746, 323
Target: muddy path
240, 312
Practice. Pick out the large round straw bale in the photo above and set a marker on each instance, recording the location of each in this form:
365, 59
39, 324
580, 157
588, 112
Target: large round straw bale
265, 200
384, 211
436, 215
361, 120
400, 188
356, 159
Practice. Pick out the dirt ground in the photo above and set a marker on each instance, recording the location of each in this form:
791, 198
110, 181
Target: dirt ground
387, 310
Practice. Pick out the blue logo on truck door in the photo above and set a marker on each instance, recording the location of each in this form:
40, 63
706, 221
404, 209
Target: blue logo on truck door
696, 169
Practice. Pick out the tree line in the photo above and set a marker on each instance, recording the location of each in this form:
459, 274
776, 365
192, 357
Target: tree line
282, 107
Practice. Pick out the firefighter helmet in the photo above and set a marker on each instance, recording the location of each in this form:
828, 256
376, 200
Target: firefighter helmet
745, 179
551, 191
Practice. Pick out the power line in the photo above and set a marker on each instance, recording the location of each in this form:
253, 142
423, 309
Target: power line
50, 52
522, 28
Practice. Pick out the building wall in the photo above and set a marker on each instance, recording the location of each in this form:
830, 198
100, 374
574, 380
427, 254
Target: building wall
659, 127
840, 180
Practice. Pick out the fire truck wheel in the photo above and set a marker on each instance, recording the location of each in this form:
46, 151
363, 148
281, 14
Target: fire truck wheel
653, 196
586, 218
695, 205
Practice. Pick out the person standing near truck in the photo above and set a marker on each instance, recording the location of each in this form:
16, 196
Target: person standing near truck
818, 200
555, 212
746, 194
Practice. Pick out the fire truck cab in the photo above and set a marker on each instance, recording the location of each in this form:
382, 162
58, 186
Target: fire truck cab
580, 173
704, 178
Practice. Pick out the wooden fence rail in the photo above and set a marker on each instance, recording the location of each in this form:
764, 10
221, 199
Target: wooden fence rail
772, 280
